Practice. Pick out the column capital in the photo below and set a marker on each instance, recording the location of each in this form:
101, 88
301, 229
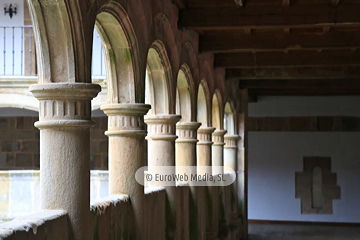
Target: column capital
126, 119
218, 137
64, 104
187, 132
162, 127
204, 135
231, 141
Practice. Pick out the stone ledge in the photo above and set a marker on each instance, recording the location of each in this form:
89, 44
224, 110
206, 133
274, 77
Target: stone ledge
9, 230
100, 206
152, 190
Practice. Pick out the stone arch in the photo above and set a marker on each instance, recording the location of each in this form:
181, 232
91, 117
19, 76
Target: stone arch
121, 54
216, 110
229, 119
11, 100
158, 80
184, 93
51, 45
203, 113
163, 32
188, 58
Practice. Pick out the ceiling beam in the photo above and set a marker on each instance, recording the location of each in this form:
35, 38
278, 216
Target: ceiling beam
334, 2
240, 3
286, 3
290, 59
299, 84
255, 17
305, 92
293, 73
235, 42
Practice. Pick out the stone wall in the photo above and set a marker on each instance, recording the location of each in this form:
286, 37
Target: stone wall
19, 141
20, 145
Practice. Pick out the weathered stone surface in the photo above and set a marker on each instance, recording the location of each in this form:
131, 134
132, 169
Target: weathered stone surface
10, 146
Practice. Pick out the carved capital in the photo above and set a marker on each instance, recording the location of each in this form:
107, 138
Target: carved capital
218, 137
161, 127
204, 135
231, 141
187, 132
126, 119
65, 104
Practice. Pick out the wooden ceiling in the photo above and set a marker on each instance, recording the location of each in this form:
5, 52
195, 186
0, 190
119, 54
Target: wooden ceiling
281, 47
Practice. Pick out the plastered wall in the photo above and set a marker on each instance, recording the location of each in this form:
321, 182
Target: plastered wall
276, 154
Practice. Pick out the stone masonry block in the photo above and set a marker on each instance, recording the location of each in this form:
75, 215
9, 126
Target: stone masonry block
10, 146
300, 124
277, 124
32, 146
24, 160
325, 123
350, 124
253, 124
4, 124
20, 123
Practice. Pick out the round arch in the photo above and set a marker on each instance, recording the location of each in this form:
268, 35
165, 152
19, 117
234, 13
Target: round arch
202, 104
121, 54
229, 118
158, 80
216, 111
184, 93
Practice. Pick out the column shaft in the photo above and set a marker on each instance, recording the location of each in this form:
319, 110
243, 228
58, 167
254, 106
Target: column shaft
217, 192
186, 156
204, 159
126, 132
64, 123
161, 152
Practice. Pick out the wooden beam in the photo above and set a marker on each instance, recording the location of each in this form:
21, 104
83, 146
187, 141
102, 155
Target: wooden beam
293, 73
291, 59
306, 92
299, 84
334, 2
237, 42
241, 3
255, 17
286, 3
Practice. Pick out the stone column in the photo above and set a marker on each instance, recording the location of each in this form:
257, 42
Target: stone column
204, 146
186, 156
64, 123
186, 143
218, 161
230, 151
218, 149
126, 132
161, 152
230, 160
204, 159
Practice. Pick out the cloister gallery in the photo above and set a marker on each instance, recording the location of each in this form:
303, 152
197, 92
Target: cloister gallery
91, 91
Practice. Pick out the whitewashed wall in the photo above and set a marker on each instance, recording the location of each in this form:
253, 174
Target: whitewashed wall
274, 157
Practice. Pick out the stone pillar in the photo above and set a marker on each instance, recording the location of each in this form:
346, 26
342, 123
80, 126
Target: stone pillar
126, 132
230, 151
186, 156
204, 159
218, 149
230, 160
186, 143
161, 152
64, 123
204, 146
217, 160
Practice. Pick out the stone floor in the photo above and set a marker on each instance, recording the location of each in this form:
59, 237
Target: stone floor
259, 231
